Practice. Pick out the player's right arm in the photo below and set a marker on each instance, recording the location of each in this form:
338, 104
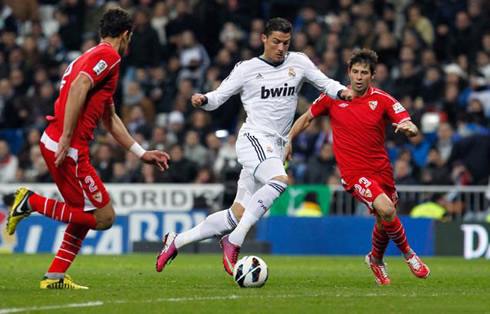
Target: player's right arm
77, 94
298, 127
229, 87
320, 106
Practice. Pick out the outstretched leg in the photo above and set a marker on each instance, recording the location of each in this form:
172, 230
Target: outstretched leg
215, 224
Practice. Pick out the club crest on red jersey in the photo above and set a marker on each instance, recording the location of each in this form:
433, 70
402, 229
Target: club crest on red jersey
97, 196
373, 104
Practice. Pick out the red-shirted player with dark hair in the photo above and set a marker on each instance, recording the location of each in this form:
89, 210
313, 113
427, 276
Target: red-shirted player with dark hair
358, 128
86, 91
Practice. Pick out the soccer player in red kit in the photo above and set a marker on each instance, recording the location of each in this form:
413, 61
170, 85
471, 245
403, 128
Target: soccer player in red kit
86, 91
358, 128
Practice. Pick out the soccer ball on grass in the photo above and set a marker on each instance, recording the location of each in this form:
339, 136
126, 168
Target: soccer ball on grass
250, 272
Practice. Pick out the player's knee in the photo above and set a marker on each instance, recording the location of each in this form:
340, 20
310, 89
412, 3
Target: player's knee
107, 222
238, 210
282, 179
271, 169
385, 208
279, 184
387, 212
105, 217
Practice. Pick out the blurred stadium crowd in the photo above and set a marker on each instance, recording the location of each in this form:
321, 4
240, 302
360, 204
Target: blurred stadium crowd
434, 58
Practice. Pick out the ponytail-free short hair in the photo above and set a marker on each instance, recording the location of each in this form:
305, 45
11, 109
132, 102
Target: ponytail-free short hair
364, 56
278, 24
114, 22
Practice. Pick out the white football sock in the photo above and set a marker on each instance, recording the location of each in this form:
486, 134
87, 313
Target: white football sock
214, 225
256, 208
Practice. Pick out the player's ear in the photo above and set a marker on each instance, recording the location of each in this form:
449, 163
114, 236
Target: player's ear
126, 34
373, 75
263, 37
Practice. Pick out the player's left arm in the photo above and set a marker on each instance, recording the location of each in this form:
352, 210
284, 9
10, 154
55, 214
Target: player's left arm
406, 127
399, 116
118, 130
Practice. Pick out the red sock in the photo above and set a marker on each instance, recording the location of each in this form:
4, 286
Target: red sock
396, 232
61, 211
380, 242
72, 242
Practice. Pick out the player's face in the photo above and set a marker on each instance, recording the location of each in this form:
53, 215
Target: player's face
360, 78
276, 45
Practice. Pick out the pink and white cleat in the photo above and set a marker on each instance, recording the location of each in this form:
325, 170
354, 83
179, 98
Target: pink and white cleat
379, 271
418, 267
230, 254
168, 253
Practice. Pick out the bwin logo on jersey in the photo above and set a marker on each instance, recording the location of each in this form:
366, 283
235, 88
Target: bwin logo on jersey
277, 92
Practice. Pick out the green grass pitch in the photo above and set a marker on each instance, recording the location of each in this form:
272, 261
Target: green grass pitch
199, 284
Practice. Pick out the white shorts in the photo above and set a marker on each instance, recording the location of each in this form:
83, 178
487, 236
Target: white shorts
261, 156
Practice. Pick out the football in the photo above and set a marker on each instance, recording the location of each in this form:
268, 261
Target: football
250, 272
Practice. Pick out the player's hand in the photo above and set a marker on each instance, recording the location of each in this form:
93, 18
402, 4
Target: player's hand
347, 94
198, 100
157, 158
288, 153
407, 128
63, 147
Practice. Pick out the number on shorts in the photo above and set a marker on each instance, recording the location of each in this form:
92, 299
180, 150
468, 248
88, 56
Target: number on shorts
91, 184
365, 181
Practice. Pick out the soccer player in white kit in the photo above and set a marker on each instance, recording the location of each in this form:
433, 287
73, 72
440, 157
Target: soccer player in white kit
269, 86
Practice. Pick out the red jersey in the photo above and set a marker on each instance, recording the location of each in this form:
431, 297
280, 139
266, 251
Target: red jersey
359, 128
101, 65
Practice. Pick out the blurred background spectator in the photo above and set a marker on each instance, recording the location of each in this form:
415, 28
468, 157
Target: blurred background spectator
434, 57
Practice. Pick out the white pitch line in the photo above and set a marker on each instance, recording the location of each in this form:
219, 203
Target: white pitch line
186, 299
190, 299
50, 307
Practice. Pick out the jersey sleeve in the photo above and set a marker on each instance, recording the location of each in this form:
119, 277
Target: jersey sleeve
316, 77
99, 65
395, 111
230, 86
110, 102
321, 106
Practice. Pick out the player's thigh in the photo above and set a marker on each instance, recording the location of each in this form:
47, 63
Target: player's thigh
260, 156
65, 177
366, 190
95, 193
246, 187
77, 181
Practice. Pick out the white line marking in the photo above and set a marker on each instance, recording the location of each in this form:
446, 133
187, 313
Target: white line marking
196, 298
50, 307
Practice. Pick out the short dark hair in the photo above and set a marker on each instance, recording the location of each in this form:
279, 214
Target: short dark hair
364, 56
278, 24
114, 22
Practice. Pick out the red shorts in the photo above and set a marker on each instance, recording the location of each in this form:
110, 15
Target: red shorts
367, 188
76, 178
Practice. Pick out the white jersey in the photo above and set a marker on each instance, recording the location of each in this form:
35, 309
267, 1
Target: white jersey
269, 92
